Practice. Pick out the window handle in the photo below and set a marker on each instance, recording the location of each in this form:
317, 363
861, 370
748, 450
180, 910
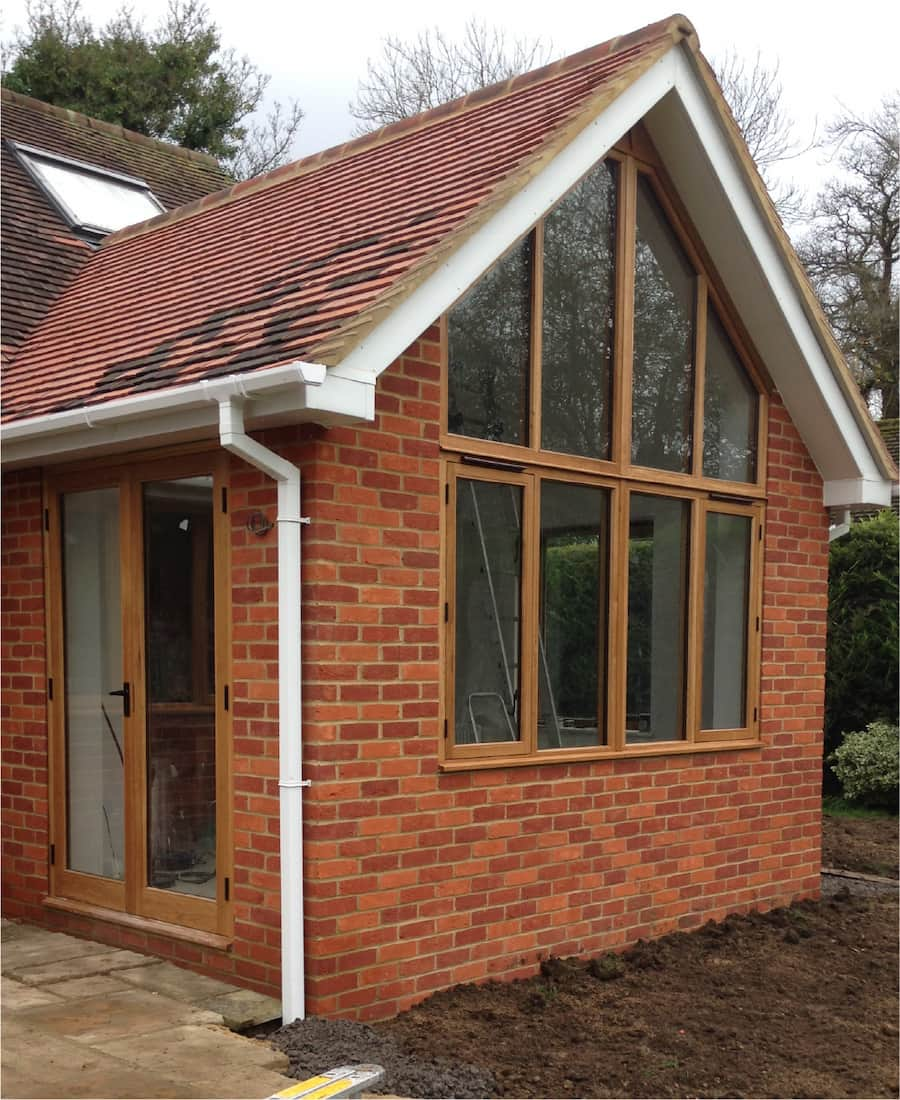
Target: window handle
126, 698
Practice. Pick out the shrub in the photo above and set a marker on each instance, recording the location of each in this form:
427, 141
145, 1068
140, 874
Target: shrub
867, 765
862, 658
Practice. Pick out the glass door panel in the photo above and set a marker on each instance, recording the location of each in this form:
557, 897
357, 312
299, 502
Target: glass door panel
95, 703
179, 624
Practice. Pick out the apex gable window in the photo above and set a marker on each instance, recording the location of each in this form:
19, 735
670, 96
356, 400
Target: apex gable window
604, 425
94, 201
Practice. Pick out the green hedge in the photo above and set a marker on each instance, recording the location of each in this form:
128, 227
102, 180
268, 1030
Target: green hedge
861, 671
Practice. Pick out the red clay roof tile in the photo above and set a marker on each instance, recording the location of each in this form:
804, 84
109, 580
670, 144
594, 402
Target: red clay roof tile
289, 265
40, 254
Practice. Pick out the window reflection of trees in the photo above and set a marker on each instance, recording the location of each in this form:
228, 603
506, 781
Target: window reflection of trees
578, 308
662, 394
489, 353
574, 578
730, 410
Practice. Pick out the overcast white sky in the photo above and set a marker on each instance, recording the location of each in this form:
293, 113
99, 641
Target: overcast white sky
829, 54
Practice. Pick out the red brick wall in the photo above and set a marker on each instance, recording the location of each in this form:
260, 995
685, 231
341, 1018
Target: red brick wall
23, 699
416, 879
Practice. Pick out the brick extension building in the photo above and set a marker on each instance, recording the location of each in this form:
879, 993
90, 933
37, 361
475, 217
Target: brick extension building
567, 418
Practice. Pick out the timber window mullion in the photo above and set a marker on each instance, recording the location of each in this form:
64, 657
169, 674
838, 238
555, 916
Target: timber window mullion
626, 228
537, 337
694, 662
699, 375
619, 616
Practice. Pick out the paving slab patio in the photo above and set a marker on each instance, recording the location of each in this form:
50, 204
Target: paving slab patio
83, 1020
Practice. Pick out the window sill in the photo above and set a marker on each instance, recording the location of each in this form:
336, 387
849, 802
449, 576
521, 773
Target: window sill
140, 924
632, 752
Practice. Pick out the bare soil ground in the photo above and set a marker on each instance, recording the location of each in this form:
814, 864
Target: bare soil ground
866, 844
798, 1002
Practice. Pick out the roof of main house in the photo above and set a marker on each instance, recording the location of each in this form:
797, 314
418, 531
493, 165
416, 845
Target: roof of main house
297, 262
40, 252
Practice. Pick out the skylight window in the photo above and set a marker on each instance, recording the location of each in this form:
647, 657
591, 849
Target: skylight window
93, 200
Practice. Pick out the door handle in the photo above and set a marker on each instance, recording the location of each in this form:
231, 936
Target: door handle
126, 698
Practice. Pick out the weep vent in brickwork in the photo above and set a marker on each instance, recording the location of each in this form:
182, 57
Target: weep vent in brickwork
293, 264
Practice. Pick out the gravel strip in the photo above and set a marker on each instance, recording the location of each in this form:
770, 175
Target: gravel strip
833, 884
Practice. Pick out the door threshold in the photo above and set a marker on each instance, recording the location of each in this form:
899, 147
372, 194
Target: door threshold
211, 940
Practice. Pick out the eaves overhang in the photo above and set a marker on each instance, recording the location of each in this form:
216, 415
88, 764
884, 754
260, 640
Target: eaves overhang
291, 393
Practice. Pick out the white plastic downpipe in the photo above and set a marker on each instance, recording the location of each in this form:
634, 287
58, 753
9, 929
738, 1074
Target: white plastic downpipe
290, 751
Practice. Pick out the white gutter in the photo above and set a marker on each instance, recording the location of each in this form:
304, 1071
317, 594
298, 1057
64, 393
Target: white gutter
290, 752
285, 394
145, 404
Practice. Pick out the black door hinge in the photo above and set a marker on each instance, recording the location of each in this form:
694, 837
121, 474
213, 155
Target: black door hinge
447, 493
757, 624
52, 855
227, 889
226, 699
225, 500
445, 729
754, 714
446, 613
50, 688
46, 519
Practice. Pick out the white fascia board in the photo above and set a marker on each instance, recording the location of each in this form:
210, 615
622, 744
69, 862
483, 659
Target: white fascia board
406, 323
768, 254
287, 394
851, 491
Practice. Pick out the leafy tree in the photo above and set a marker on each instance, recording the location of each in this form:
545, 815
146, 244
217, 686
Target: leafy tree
853, 247
175, 83
862, 657
416, 75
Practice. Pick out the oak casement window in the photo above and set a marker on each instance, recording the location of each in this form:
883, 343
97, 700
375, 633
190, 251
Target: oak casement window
603, 453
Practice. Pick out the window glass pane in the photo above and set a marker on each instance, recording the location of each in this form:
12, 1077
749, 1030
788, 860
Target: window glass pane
488, 603
663, 386
489, 354
725, 609
572, 639
577, 349
95, 200
730, 409
95, 770
181, 718
657, 602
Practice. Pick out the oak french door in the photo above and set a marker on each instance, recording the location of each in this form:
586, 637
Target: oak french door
138, 617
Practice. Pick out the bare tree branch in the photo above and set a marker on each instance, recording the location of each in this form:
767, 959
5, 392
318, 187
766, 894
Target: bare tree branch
852, 249
755, 96
416, 75
267, 145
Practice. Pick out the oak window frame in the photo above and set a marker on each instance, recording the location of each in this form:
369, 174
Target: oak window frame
530, 465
